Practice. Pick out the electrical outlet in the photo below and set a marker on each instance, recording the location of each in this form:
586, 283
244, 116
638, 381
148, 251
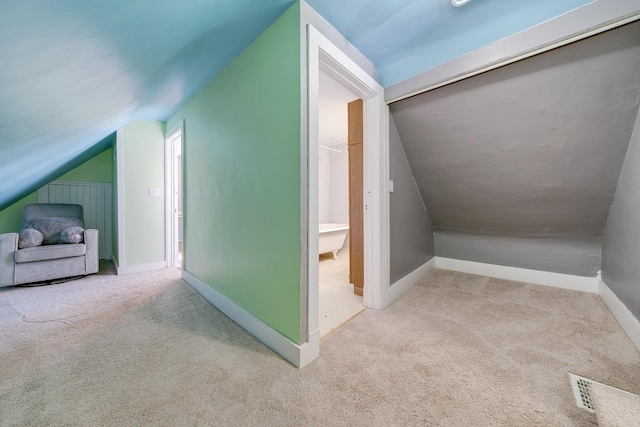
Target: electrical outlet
154, 191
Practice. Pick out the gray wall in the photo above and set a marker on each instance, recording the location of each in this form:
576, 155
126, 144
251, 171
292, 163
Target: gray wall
533, 149
527, 155
411, 238
621, 240
580, 257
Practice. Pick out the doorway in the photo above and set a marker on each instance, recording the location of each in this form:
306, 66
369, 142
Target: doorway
323, 55
174, 196
340, 246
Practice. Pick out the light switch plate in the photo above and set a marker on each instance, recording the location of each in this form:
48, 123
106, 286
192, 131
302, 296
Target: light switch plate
154, 191
390, 186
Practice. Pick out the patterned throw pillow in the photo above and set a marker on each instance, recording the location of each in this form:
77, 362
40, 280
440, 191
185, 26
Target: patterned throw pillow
51, 227
29, 238
71, 235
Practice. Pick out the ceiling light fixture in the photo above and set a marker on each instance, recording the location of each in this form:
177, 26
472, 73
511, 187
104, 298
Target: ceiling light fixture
458, 3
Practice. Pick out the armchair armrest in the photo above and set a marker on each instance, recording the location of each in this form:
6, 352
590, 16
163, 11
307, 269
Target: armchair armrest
92, 263
8, 247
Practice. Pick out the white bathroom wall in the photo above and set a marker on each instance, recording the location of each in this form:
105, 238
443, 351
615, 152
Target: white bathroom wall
324, 187
333, 170
339, 187
334, 166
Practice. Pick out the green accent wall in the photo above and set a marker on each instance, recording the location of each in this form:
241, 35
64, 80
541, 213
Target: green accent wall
11, 217
242, 179
143, 214
96, 169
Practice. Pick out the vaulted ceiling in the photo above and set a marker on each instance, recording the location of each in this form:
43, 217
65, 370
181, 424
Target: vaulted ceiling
75, 71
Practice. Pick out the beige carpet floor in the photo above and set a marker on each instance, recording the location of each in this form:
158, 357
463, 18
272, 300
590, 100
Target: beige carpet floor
457, 349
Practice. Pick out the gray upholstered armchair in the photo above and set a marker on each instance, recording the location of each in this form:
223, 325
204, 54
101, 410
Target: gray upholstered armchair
50, 260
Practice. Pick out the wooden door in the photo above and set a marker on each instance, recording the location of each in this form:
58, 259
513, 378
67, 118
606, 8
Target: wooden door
356, 196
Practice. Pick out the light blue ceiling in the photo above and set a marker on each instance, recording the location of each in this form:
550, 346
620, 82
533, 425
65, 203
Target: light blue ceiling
74, 71
406, 37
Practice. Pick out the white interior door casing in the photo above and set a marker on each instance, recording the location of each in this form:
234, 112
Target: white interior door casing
323, 55
173, 189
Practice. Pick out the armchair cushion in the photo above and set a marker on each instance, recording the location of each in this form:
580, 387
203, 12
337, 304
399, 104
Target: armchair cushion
71, 235
42, 253
51, 227
29, 238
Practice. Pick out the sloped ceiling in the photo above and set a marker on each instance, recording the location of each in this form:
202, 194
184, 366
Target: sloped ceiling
405, 38
531, 149
75, 71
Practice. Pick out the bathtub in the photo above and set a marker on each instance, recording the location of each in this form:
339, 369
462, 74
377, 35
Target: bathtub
332, 237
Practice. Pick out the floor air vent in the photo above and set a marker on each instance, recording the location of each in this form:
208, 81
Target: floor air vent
580, 386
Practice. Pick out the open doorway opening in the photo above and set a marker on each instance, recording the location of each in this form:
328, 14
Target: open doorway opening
174, 196
324, 56
340, 189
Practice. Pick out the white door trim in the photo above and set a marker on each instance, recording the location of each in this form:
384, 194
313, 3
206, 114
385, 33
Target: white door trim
323, 55
169, 172
119, 148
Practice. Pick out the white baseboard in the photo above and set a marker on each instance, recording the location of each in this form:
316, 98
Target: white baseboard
397, 289
140, 268
298, 355
311, 350
546, 278
629, 323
